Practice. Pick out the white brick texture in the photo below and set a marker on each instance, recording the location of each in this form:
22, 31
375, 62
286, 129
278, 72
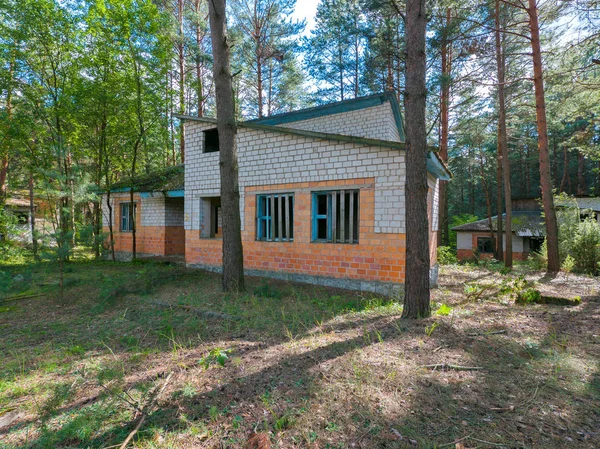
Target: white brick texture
267, 157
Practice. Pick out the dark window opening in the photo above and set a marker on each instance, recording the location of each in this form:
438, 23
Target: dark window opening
211, 140
486, 245
275, 217
535, 244
211, 220
336, 216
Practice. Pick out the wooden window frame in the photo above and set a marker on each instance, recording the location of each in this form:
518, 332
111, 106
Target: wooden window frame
274, 227
346, 235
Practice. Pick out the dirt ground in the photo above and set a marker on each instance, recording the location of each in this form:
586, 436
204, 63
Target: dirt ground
307, 366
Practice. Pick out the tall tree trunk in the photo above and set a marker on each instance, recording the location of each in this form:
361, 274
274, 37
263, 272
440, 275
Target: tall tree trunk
542, 126
34, 242
233, 257
499, 228
442, 234
581, 187
416, 300
4, 149
181, 55
199, 80
503, 140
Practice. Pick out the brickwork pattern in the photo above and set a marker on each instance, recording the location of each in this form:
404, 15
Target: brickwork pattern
379, 257
374, 123
272, 158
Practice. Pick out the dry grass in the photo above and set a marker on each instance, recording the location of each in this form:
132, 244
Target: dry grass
310, 367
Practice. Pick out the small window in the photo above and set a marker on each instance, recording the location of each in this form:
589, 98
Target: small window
211, 140
335, 216
126, 217
486, 245
275, 217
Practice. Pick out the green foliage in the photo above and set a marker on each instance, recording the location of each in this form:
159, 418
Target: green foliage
267, 290
513, 287
446, 255
216, 356
528, 296
444, 310
586, 246
568, 264
429, 329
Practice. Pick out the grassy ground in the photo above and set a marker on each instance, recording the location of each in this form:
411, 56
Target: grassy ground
313, 367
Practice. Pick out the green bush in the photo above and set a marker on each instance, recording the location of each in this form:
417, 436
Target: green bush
529, 296
446, 255
586, 246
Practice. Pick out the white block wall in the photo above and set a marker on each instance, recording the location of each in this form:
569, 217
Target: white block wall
374, 123
153, 211
464, 240
272, 158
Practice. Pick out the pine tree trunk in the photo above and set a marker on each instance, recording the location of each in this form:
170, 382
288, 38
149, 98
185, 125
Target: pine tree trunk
199, 81
233, 258
416, 300
542, 126
181, 55
4, 149
34, 242
442, 234
503, 141
581, 187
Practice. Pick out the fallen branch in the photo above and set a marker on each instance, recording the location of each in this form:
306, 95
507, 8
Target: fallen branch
198, 312
477, 334
18, 298
444, 366
147, 409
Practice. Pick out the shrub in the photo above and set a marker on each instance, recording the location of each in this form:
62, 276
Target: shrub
586, 246
531, 295
446, 256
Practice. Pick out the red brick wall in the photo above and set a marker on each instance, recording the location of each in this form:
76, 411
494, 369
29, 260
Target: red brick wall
379, 257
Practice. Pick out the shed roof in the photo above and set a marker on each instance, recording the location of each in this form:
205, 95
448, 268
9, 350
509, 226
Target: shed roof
163, 180
524, 224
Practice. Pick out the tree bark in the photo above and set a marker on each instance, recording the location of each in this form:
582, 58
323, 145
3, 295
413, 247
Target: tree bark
416, 300
199, 81
442, 234
581, 187
181, 55
503, 141
4, 151
34, 242
542, 127
233, 258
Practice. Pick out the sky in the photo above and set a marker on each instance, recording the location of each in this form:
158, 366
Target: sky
306, 9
